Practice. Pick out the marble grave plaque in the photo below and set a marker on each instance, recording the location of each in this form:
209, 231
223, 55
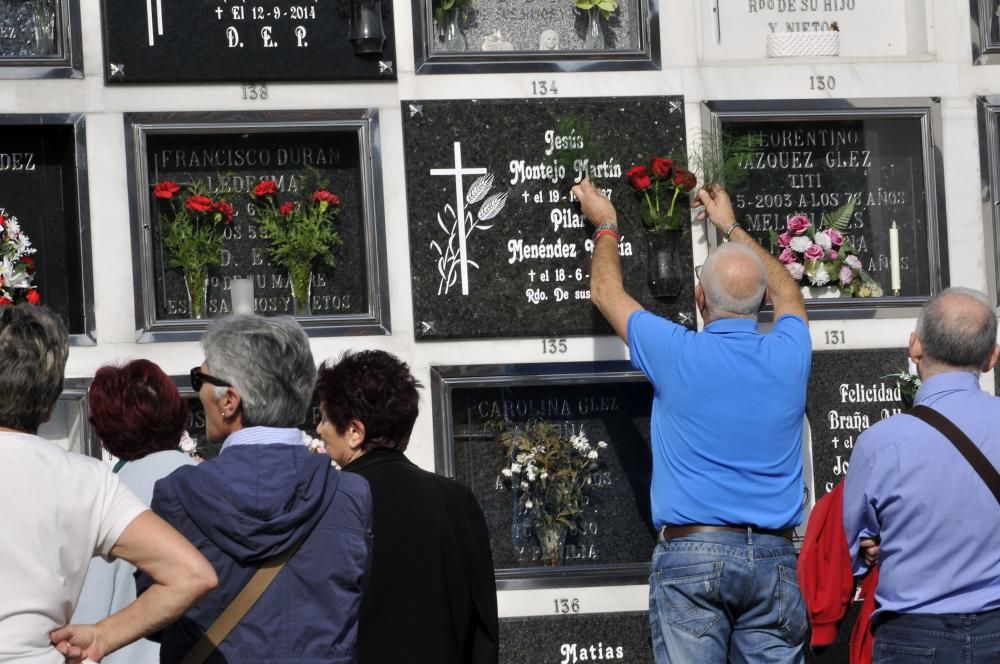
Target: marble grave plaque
497, 246
622, 638
29, 29
813, 166
39, 186
229, 165
193, 41
616, 525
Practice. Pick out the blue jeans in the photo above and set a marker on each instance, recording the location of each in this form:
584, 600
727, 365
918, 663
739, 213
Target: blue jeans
721, 597
964, 638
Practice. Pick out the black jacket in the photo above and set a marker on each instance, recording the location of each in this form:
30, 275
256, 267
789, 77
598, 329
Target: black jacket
431, 595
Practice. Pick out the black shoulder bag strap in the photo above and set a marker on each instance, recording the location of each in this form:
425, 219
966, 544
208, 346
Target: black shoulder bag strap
962, 443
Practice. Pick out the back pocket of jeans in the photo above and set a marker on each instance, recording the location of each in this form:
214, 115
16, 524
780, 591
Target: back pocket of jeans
887, 652
690, 596
792, 618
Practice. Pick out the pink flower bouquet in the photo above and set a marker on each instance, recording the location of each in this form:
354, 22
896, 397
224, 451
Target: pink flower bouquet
823, 256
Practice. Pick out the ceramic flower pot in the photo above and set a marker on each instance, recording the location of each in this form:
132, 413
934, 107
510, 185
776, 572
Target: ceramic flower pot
663, 263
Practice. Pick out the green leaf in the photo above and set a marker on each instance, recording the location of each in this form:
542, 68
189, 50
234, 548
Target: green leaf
774, 239
837, 219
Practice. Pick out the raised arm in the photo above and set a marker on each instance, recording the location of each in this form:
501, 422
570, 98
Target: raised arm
607, 290
785, 293
181, 576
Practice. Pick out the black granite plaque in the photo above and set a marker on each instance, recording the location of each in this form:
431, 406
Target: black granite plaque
813, 166
544, 26
227, 156
570, 639
615, 528
497, 246
848, 392
291, 40
39, 186
29, 29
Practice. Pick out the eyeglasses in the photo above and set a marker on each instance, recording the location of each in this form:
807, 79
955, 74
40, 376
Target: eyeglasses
199, 378
697, 271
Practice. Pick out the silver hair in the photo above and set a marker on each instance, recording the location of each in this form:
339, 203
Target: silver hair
33, 352
268, 361
955, 338
718, 292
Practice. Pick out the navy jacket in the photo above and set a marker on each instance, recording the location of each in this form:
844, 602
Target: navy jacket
249, 504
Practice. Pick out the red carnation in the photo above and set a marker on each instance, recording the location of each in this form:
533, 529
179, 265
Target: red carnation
684, 179
223, 211
4, 302
265, 188
166, 189
29, 264
199, 203
286, 209
661, 166
33, 297
322, 195
3, 220
639, 178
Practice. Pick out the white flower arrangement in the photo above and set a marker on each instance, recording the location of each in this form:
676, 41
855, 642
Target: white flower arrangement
315, 445
17, 265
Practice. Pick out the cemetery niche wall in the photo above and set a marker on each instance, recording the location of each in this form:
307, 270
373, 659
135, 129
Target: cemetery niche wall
40, 39
498, 246
43, 199
535, 36
876, 164
69, 425
188, 41
593, 420
290, 200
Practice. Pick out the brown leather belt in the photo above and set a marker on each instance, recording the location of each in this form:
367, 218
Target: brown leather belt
673, 532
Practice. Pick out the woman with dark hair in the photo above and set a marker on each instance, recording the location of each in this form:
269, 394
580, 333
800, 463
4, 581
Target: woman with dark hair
440, 593
139, 416
61, 509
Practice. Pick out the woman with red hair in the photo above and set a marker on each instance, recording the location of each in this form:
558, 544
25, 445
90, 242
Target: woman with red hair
139, 416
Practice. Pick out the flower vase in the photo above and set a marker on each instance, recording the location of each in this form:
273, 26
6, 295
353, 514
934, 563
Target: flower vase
300, 280
595, 36
663, 263
820, 292
451, 35
196, 285
44, 27
552, 542
366, 33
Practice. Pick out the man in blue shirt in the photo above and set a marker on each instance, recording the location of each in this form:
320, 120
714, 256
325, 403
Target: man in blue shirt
913, 502
726, 432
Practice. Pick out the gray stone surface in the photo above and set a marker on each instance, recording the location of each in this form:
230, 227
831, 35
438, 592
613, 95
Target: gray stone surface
616, 527
562, 639
240, 162
27, 28
508, 292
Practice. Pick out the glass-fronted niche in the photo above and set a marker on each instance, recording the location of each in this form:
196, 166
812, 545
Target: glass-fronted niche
40, 39
459, 36
849, 194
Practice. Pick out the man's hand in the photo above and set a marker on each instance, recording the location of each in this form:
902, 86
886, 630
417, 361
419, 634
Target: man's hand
79, 643
869, 551
595, 205
716, 205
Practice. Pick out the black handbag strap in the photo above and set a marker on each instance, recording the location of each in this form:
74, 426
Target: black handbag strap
972, 454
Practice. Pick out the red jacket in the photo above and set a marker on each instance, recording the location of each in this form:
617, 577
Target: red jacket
826, 580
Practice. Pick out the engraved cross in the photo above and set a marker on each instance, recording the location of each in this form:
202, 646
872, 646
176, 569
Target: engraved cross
458, 172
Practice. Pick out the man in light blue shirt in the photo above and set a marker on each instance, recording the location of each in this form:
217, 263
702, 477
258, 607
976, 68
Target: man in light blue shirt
913, 502
726, 435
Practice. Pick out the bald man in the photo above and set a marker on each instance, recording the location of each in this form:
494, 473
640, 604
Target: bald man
935, 520
726, 432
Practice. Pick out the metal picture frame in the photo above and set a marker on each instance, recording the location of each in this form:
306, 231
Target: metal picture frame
446, 379
361, 122
988, 114
80, 233
68, 60
644, 57
928, 111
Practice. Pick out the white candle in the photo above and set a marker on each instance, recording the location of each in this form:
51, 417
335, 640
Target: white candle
894, 256
241, 291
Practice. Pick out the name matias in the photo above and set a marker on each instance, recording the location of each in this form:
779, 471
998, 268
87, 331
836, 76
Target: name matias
573, 652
